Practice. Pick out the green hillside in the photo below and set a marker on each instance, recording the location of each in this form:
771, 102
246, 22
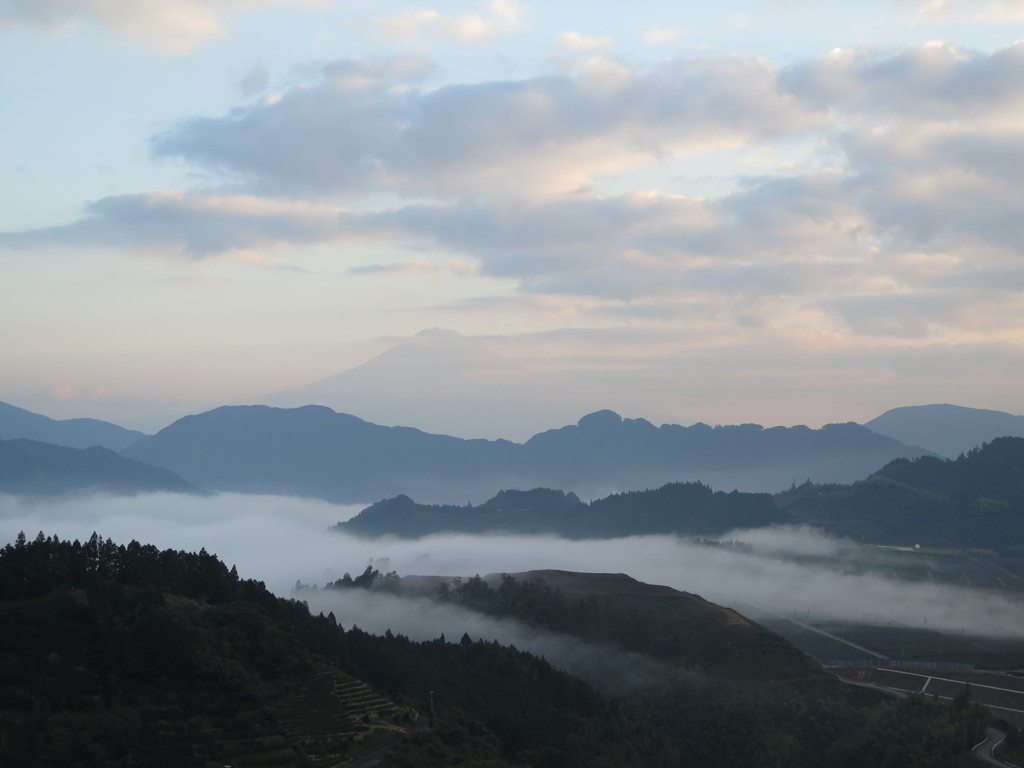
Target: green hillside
975, 501
689, 509
130, 656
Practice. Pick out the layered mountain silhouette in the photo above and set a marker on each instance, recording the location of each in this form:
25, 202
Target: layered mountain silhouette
29, 467
947, 430
314, 451
975, 501
74, 433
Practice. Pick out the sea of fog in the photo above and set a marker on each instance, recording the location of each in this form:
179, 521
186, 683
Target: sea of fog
787, 571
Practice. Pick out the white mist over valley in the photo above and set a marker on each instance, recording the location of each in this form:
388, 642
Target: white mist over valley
793, 572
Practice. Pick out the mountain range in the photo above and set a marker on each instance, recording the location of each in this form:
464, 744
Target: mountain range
945, 429
443, 382
73, 433
687, 509
313, 451
32, 468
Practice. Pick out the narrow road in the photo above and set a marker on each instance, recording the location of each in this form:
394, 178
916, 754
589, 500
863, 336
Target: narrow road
993, 739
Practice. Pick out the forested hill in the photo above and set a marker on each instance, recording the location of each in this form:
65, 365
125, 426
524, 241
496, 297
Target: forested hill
120, 655
994, 470
28, 467
677, 508
313, 451
974, 501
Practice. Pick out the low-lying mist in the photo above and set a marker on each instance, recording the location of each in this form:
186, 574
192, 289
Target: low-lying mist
786, 571
419, 618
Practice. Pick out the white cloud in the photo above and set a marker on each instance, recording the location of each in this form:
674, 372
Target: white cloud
661, 36
529, 138
176, 26
913, 230
574, 41
190, 226
978, 11
425, 25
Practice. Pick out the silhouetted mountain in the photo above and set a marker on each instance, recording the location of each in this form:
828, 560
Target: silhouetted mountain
606, 453
29, 467
75, 433
688, 509
975, 501
443, 382
313, 451
947, 430
995, 470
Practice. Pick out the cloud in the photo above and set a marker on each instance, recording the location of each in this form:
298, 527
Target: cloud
176, 26
915, 84
535, 137
416, 267
281, 540
901, 221
190, 226
607, 667
661, 36
978, 11
574, 41
424, 25
255, 80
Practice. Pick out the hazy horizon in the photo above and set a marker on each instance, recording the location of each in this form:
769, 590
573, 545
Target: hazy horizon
758, 211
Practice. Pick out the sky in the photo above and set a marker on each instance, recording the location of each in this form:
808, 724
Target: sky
778, 211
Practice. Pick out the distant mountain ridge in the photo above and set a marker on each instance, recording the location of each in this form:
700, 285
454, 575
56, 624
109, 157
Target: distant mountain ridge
314, 451
945, 429
440, 381
74, 433
29, 467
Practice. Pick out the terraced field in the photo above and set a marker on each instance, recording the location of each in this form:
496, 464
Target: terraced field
332, 717
323, 720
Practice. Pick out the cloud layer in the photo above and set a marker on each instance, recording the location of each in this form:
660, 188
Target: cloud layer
280, 540
176, 26
900, 219
835, 229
